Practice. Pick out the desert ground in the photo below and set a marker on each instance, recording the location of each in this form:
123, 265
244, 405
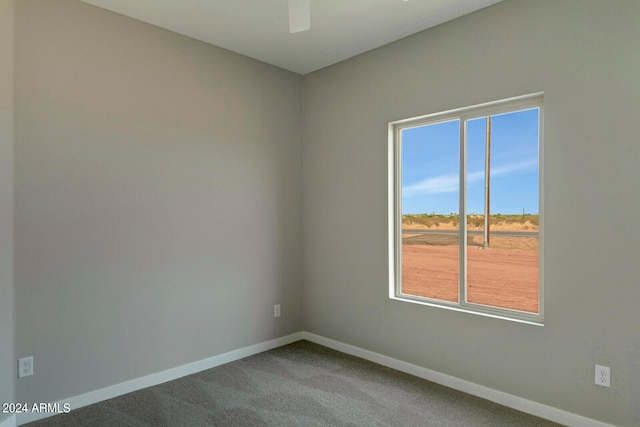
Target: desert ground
503, 275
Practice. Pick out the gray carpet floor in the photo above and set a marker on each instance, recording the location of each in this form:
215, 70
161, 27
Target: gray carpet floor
301, 384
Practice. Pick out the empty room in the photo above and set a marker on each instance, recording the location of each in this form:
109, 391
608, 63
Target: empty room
275, 188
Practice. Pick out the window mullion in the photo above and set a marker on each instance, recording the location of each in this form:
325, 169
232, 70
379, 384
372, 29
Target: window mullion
462, 239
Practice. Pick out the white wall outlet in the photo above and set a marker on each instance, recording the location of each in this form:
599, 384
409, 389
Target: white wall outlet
25, 367
276, 310
603, 376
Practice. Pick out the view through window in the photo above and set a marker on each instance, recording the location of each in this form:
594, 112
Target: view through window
467, 208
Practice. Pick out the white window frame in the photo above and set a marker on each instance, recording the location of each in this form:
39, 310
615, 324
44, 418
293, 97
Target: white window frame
395, 206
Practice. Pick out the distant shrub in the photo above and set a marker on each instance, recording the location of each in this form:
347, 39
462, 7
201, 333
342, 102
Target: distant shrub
473, 220
429, 220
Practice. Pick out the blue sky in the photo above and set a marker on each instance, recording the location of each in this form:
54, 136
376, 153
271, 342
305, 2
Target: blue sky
431, 158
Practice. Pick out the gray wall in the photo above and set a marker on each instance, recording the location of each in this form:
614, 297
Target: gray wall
584, 56
157, 199
7, 364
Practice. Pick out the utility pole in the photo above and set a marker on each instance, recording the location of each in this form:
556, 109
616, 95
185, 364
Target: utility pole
487, 181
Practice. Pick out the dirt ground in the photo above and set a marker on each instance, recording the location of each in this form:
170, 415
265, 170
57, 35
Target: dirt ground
495, 226
504, 275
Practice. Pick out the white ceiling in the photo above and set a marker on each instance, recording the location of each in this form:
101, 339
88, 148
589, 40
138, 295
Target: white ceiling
340, 29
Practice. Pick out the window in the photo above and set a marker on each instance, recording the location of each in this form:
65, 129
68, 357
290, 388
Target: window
465, 209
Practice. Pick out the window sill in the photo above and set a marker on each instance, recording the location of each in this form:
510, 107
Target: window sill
482, 311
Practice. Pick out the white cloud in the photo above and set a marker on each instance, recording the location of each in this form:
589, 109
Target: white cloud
449, 183
523, 166
438, 184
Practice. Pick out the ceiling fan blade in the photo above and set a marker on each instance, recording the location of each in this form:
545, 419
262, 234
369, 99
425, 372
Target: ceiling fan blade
299, 15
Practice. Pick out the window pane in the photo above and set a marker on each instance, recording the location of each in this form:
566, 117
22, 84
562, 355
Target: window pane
502, 254
430, 210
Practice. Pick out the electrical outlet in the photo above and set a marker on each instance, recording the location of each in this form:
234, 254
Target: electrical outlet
25, 367
603, 376
276, 310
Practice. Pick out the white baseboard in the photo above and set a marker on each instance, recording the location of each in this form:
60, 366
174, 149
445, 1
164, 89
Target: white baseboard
159, 378
524, 405
9, 422
534, 408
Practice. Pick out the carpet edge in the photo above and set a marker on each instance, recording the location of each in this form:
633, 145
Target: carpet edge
150, 380
505, 399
